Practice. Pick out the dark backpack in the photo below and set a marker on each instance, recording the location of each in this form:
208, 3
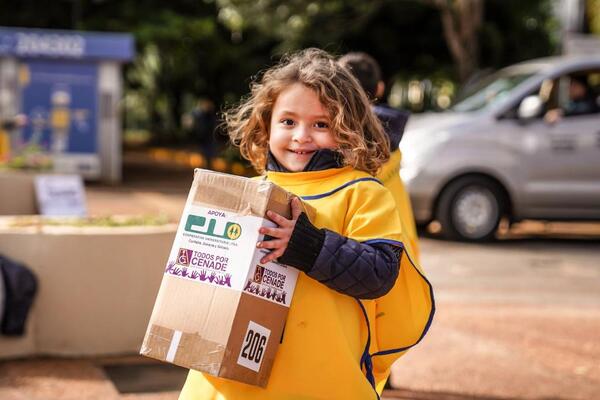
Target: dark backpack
20, 287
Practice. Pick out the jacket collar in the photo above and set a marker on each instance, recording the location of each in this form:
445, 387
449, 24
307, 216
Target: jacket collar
321, 160
393, 122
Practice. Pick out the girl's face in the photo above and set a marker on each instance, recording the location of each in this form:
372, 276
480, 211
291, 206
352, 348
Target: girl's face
299, 127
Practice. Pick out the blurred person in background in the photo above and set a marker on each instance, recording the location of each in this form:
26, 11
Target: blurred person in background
367, 71
204, 124
581, 101
8, 129
15, 122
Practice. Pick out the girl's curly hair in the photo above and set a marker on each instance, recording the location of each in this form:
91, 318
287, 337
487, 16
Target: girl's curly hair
362, 141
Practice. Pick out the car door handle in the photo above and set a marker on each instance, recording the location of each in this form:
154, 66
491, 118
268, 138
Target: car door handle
563, 144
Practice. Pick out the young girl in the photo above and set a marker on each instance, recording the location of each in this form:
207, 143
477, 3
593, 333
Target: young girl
308, 127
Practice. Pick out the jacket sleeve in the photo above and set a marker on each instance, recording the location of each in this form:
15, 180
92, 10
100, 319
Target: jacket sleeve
345, 265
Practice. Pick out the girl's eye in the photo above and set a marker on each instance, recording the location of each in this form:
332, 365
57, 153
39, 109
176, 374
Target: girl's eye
287, 122
322, 125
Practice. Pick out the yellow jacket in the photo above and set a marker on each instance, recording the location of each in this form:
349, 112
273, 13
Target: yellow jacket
389, 175
329, 338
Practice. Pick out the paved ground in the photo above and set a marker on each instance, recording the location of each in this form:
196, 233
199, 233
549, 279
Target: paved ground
517, 319
148, 188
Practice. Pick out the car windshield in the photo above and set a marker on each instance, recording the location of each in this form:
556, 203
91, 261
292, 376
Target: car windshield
489, 90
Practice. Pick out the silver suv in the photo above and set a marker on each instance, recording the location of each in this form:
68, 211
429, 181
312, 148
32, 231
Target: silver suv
522, 143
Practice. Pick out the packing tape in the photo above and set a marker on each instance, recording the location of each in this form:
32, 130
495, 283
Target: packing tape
173, 347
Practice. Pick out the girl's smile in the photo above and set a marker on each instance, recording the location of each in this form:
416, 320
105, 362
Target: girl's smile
299, 127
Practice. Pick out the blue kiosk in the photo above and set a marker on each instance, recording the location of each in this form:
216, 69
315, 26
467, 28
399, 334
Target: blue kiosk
69, 85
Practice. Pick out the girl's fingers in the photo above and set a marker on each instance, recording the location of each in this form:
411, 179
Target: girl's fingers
274, 232
282, 233
267, 258
271, 256
296, 208
278, 219
270, 244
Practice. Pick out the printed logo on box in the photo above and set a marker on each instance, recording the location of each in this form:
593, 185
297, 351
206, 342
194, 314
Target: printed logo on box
213, 227
259, 273
200, 266
268, 284
254, 346
214, 247
184, 257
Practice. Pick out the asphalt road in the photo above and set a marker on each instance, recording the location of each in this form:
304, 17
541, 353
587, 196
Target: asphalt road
515, 319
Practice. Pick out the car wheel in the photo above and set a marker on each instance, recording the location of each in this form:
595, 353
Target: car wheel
470, 209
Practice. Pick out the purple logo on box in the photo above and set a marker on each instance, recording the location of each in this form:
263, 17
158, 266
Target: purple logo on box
198, 275
184, 256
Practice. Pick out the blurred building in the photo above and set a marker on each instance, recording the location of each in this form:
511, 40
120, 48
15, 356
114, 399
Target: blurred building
576, 20
69, 85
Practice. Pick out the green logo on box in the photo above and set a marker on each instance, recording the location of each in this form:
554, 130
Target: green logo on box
213, 227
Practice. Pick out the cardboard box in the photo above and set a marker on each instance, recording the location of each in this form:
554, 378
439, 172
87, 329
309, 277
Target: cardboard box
218, 309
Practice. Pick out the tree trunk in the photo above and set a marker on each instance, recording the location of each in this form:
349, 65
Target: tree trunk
461, 20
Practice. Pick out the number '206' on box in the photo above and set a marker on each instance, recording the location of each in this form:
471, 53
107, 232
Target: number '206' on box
218, 309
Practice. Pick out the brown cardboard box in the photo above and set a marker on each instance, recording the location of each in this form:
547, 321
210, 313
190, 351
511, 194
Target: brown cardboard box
219, 310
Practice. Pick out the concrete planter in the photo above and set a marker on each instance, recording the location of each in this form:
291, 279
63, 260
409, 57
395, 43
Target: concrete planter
97, 286
17, 193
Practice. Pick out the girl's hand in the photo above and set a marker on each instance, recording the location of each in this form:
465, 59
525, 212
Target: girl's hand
281, 235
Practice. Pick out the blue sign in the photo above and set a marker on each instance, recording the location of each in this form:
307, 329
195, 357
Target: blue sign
65, 44
60, 100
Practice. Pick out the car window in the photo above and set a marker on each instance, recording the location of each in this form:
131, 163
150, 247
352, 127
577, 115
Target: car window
490, 90
573, 94
579, 93
547, 91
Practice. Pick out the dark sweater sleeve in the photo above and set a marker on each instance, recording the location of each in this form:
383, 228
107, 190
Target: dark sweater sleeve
355, 269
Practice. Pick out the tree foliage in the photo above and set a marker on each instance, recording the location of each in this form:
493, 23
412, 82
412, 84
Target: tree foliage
189, 49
